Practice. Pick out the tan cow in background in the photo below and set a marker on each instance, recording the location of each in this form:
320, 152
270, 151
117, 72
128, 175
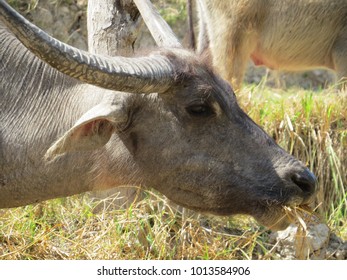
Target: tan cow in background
290, 35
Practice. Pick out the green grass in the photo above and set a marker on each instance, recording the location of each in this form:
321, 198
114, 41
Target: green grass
173, 11
24, 5
311, 125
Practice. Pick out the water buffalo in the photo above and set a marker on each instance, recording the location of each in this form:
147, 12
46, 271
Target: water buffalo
73, 122
290, 35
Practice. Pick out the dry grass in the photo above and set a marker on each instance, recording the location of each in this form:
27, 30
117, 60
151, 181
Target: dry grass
68, 229
304, 218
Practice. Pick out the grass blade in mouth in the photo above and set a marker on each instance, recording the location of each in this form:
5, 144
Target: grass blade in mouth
303, 217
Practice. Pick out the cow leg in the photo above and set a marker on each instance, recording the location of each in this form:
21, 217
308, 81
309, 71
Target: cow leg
231, 55
339, 56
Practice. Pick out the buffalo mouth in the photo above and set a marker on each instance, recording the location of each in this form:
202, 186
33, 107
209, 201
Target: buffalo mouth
275, 216
279, 217
267, 207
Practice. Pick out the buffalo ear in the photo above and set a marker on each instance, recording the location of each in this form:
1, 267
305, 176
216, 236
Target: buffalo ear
93, 130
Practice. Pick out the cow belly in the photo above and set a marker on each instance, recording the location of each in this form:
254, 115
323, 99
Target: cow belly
296, 62
260, 60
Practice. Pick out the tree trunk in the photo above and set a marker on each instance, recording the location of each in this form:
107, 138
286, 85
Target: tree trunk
113, 26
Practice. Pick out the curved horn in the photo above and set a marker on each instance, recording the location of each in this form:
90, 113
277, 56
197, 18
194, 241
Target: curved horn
140, 75
160, 30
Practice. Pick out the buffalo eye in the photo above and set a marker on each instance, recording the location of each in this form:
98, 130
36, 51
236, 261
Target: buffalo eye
200, 110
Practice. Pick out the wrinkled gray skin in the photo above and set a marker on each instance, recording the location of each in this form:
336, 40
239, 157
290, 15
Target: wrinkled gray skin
191, 141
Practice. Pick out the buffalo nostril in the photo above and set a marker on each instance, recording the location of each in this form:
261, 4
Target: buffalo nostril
306, 181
